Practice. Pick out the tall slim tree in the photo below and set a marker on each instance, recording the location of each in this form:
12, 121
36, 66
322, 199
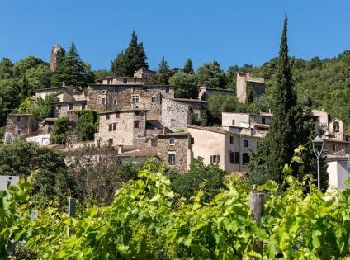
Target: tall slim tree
278, 146
130, 60
188, 67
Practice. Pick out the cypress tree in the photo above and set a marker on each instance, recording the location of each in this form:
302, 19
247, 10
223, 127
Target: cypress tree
163, 73
188, 67
292, 125
277, 147
130, 60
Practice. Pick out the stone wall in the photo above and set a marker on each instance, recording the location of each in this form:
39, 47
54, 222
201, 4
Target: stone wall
21, 124
180, 147
121, 97
248, 87
175, 115
125, 131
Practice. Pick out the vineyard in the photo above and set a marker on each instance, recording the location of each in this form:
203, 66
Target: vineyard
147, 220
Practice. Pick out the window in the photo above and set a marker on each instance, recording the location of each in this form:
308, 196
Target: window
133, 89
18, 131
83, 106
103, 101
18, 119
125, 80
171, 158
245, 158
172, 141
172, 122
192, 140
114, 102
231, 139
110, 128
167, 89
334, 147
154, 99
245, 143
233, 122
263, 120
135, 99
234, 157
215, 158
70, 106
114, 126
117, 115
335, 126
110, 141
137, 124
137, 113
108, 117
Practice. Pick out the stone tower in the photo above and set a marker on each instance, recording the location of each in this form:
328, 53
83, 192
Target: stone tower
248, 89
55, 52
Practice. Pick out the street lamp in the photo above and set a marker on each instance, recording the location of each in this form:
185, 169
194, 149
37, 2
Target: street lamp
317, 145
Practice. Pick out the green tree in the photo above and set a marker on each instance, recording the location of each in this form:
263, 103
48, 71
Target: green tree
6, 70
59, 132
9, 97
47, 167
292, 125
130, 60
86, 125
163, 73
39, 107
188, 67
211, 75
220, 103
21, 67
210, 179
70, 69
38, 77
185, 85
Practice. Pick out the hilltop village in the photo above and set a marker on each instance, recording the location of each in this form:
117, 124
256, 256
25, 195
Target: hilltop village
139, 119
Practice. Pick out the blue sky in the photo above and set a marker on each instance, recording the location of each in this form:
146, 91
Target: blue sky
229, 31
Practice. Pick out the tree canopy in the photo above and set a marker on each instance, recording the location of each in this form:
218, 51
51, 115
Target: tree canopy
128, 61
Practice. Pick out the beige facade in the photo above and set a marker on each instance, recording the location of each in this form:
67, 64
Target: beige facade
64, 94
174, 149
216, 145
121, 127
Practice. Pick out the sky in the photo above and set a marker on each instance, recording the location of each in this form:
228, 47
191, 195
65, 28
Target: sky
228, 31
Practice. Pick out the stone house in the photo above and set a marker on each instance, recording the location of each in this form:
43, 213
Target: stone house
62, 109
229, 150
247, 123
249, 88
108, 97
174, 149
64, 93
24, 125
141, 76
175, 115
121, 127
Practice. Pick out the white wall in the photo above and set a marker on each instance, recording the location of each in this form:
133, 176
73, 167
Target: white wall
6, 181
338, 174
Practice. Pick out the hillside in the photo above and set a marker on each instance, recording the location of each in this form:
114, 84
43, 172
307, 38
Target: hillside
324, 82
